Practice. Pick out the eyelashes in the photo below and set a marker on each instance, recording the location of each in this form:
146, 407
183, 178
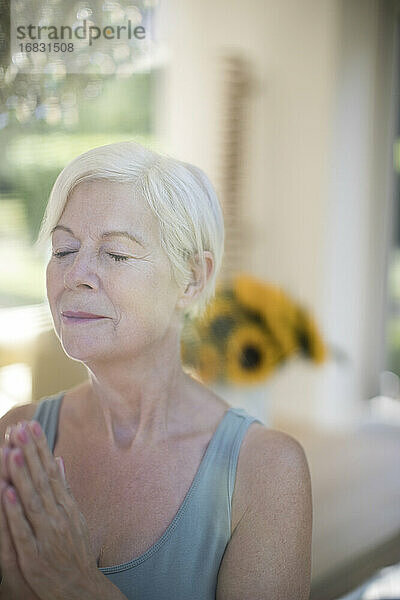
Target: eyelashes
115, 257
60, 254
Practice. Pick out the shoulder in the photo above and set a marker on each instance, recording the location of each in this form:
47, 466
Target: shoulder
275, 529
269, 460
21, 412
274, 448
281, 467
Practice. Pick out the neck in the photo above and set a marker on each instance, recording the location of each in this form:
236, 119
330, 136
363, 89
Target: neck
140, 401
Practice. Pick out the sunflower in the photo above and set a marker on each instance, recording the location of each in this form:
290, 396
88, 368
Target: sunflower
208, 363
246, 331
256, 295
309, 339
277, 311
285, 338
219, 318
250, 357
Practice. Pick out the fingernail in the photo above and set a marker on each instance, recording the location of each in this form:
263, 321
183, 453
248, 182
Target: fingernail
21, 434
37, 430
7, 434
11, 495
19, 458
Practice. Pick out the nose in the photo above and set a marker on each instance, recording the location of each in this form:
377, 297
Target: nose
81, 271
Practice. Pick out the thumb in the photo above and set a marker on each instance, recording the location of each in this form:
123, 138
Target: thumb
61, 466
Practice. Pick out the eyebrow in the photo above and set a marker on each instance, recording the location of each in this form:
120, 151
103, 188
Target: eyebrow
105, 234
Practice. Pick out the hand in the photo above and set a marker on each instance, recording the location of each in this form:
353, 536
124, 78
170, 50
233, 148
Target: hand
13, 582
48, 531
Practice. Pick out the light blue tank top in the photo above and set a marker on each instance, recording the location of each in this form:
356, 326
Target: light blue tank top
184, 563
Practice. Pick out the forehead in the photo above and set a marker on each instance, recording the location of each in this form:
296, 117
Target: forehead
103, 204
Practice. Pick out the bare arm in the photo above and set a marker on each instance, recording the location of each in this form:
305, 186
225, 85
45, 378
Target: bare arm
269, 554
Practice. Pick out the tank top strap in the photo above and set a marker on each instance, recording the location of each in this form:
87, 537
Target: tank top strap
220, 461
47, 414
242, 422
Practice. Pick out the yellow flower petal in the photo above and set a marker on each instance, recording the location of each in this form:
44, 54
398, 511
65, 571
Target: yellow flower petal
208, 363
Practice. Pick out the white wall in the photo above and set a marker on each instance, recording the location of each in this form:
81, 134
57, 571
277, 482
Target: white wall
358, 210
308, 199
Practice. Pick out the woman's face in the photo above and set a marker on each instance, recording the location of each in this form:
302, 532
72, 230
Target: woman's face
94, 269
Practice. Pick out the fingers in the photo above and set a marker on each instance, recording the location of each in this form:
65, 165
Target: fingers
57, 481
7, 435
5, 451
7, 552
38, 480
16, 532
29, 477
34, 491
8, 556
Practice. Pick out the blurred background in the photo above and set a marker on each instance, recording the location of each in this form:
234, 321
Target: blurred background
292, 109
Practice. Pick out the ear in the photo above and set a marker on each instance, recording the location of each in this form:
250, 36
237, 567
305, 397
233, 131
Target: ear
198, 281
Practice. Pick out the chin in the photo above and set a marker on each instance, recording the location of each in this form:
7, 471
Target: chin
82, 351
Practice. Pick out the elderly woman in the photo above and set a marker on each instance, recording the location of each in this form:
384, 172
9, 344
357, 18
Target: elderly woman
167, 492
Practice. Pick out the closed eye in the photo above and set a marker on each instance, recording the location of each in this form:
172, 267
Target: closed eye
118, 257
61, 254
115, 257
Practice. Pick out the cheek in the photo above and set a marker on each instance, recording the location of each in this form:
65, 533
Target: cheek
151, 297
52, 289
51, 280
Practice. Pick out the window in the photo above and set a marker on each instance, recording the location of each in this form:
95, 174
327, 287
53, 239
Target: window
46, 120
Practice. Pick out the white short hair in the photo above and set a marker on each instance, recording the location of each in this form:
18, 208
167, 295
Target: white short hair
179, 194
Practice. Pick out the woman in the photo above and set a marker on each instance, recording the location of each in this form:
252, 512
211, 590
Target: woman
157, 501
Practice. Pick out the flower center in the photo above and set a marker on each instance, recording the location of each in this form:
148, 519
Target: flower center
250, 357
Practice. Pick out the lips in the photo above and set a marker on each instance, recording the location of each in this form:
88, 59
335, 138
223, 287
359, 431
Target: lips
81, 315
